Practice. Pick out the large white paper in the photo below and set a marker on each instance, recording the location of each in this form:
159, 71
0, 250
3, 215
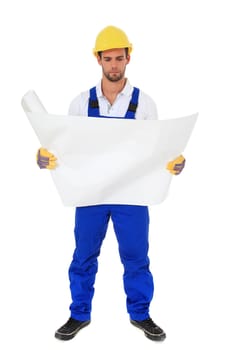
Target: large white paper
117, 161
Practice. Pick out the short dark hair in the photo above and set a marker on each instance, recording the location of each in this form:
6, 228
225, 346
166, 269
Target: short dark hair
100, 52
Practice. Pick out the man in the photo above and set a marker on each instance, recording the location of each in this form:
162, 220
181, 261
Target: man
112, 97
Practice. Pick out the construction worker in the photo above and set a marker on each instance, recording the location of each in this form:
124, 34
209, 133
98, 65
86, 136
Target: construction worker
112, 97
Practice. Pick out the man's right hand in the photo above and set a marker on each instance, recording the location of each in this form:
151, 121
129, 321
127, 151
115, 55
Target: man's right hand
45, 159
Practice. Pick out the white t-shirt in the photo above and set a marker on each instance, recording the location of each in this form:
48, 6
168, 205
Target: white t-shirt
146, 107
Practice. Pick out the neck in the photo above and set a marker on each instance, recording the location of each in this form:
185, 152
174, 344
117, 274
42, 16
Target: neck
111, 89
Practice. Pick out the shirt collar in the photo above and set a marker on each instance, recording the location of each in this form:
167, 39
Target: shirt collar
127, 90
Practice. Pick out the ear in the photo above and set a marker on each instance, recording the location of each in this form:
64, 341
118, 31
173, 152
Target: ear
128, 58
99, 60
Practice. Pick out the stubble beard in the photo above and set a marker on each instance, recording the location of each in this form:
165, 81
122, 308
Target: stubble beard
114, 77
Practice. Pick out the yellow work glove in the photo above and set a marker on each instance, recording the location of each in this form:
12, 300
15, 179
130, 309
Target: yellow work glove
176, 166
45, 159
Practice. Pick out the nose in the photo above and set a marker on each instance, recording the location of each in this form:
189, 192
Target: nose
114, 65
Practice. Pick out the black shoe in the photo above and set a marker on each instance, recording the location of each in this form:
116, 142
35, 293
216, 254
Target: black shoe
70, 329
151, 330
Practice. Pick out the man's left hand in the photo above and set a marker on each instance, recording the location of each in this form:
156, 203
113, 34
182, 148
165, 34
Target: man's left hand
176, 166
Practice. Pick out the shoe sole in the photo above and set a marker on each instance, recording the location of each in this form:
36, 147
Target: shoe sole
158, 337
62, 336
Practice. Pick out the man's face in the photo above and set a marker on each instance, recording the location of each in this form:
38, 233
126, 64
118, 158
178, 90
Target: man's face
113, 63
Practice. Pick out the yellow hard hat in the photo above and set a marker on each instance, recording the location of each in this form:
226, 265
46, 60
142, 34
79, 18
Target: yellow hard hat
111, 38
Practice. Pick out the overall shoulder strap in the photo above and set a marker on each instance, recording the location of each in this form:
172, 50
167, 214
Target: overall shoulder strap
130, 114
93, 105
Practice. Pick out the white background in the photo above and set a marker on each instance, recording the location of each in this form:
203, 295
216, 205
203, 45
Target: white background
180, 58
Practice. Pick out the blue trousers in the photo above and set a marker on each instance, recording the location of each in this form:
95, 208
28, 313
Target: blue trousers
131, 226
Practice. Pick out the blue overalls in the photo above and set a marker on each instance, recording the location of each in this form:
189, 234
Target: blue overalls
131, 226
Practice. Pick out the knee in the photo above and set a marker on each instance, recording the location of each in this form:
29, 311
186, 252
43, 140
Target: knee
136, 265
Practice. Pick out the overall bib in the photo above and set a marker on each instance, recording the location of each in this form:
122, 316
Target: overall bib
131, 226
